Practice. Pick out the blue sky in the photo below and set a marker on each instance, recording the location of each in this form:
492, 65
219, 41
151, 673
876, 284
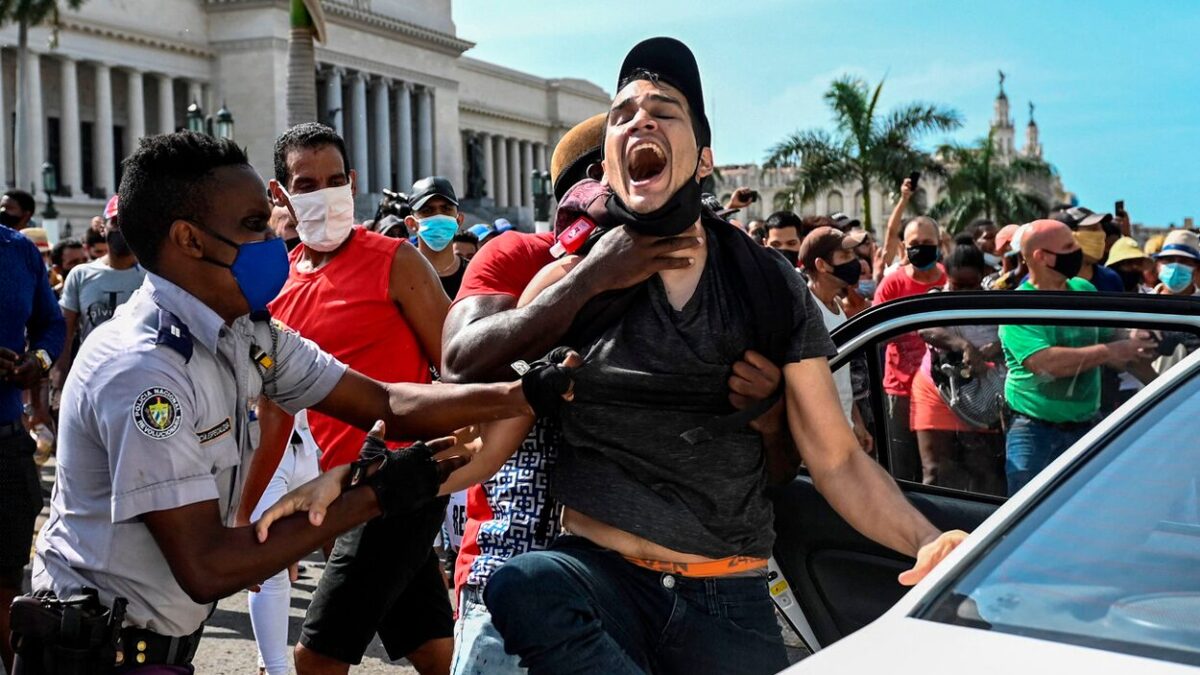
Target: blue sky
1116, 84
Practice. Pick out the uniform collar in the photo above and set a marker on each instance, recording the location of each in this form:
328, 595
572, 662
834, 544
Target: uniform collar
202, 322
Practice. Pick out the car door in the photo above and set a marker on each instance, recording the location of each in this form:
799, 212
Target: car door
834, 580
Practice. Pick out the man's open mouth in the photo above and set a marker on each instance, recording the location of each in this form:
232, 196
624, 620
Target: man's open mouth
646, 162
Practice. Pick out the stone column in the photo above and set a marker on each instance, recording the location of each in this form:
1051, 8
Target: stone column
526, 174
70, 174
383, 136
4, 155
489, 168
335, 112
137, 111
539, 156
404, 136
196, 95
32, 149
514, 172
424, 132
358, 108
166, 104
501, 193
102, 134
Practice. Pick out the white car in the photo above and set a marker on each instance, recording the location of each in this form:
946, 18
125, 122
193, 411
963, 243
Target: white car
1093, 567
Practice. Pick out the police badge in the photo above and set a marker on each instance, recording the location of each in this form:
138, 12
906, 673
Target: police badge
156, 413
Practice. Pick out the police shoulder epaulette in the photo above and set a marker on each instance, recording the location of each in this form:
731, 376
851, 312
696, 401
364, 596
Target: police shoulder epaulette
174, 334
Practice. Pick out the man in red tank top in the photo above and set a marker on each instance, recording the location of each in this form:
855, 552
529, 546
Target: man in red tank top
375, 303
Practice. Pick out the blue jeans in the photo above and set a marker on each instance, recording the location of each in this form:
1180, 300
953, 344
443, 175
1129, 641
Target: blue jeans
478, 647
1032, 444
580, 608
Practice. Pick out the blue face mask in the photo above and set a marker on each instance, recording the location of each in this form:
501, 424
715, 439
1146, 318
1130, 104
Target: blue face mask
866, 287
260, 268
1176, 276
437, 231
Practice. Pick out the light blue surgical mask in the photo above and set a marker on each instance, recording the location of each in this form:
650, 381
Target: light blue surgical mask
437, 231
1176, 276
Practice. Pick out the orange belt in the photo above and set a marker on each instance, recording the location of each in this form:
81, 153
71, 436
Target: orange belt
724, 567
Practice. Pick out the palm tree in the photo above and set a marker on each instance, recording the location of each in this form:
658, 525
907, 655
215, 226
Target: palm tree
982, 184
27, 13
307, 24
865, 148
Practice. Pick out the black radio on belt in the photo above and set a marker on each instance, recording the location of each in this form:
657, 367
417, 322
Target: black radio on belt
75, 636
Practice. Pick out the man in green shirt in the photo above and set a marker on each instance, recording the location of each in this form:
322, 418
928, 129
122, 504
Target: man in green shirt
1053, 384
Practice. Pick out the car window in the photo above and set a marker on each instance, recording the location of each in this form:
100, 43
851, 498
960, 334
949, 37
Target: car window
984, 408
1111, 557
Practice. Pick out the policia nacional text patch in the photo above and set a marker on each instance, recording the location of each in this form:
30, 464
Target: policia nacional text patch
156, 413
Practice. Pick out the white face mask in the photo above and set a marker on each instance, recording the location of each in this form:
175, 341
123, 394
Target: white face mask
323, 218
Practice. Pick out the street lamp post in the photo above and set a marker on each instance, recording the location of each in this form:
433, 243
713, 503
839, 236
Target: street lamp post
224, 123
50, 214
195, 118
541, 200
219, 126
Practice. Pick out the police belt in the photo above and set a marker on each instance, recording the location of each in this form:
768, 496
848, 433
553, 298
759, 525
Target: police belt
144, 647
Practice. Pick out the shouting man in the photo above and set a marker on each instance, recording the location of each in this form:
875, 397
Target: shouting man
666, 571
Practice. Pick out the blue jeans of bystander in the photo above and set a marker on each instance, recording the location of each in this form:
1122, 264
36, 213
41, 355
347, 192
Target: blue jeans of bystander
1032, 444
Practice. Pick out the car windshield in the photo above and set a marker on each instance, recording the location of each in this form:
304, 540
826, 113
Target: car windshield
1111, 558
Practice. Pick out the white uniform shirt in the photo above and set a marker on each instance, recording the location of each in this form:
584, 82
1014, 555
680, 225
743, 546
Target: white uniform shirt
154, 417
841, 377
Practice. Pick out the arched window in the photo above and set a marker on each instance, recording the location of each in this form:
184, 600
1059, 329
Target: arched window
858, 204
835, 202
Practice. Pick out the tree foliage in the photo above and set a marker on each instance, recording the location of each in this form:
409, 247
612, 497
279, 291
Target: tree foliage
866, 146
982, 184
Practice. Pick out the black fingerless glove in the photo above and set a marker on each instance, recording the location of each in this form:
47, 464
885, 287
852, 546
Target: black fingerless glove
545, 381
405, 480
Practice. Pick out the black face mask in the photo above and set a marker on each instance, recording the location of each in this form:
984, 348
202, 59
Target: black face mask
1068, 264
117, 246
923, 256
679, 213
1130, 279
291, 243
9, 220
792, 256
849, 272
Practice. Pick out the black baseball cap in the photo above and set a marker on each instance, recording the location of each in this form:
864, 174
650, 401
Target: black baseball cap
430, 187
844, 222
674, 64
1076, 216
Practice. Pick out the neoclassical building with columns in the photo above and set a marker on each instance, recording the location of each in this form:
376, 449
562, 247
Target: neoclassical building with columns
391, 75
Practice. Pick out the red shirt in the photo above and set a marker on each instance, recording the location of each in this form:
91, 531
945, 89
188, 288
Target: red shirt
504, 266
904, 353
347, 309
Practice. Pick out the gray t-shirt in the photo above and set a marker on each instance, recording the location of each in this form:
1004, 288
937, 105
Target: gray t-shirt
624, 463
95, 290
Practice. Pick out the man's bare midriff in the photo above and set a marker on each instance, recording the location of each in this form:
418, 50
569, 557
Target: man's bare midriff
625, 543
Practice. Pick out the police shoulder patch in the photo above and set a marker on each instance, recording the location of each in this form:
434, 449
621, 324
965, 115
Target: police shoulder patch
156, 413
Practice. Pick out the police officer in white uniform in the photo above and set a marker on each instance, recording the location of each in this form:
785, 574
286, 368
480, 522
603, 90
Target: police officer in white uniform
154, 423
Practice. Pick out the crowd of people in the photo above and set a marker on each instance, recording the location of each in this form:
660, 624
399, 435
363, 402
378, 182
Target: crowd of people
985, 407
611, 399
